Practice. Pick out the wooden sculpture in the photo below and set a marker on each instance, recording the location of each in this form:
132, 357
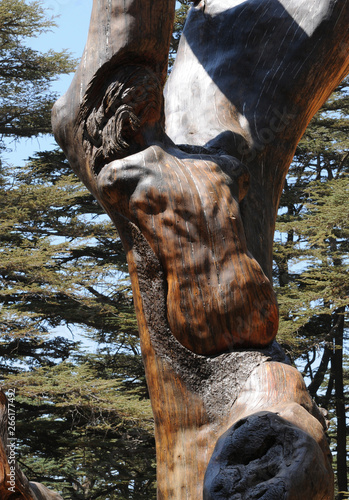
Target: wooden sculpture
193, 185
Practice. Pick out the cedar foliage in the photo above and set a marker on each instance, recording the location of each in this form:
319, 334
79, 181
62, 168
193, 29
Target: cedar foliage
26, 74
84, 423
312, 262
182, 8
83, 418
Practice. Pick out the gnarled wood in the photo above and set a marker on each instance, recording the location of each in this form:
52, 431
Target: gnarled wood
259, 457
187, 207
276, 427
192, 221
197, 219
257, 71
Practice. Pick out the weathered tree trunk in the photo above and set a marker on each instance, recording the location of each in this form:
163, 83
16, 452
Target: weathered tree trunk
197, 222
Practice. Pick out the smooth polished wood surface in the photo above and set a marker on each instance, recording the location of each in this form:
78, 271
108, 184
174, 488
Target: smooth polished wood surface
197, 219
187, 208
192, 396
257, 71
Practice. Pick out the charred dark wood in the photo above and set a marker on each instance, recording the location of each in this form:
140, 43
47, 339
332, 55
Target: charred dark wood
259, 457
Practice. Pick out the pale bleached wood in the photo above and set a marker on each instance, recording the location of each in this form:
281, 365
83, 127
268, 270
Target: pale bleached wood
257, 71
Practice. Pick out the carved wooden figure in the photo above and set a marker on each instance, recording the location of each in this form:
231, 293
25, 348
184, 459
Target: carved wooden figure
193, 186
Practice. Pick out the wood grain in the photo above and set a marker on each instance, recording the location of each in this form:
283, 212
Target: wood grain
187, 207
197, 218
122, 33
192, 396
257, 71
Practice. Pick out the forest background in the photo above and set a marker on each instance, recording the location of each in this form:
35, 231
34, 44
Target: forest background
69, 342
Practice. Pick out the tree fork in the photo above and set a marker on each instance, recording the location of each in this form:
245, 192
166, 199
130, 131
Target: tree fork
197, 222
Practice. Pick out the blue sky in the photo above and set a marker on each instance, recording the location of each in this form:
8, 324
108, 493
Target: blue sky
72, 19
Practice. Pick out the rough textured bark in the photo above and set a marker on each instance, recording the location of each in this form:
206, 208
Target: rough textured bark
195, 205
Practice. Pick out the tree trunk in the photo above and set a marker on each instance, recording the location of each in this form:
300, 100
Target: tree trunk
195, 207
